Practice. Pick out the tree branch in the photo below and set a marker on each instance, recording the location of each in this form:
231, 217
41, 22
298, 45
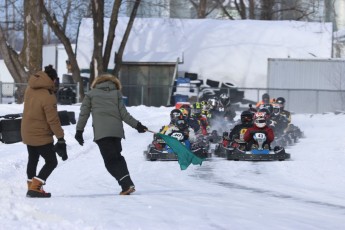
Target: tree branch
119, 54
54, 25
111, 33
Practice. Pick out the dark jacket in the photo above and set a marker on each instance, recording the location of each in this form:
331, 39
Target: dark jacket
248, 136
105, 103
238, 131
40, 117
278, 123
286, 114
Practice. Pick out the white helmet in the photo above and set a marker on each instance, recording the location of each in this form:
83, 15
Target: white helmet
260, 119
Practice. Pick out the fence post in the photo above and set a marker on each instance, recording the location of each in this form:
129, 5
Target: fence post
77, 93
0, 92
288, 100
317, 101
142, 94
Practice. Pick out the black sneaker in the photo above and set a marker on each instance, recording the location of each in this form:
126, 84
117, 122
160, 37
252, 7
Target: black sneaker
128, 191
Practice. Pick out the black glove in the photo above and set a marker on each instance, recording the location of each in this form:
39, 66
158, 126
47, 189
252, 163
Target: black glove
79, 137
141, 128
60, 148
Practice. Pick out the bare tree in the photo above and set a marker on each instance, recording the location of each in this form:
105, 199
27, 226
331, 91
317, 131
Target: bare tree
31, 54
251, 9
98, 36
12, 21
203, 7
241, 8
30, 57
111, 33
61, 34
11, 59
267, 9
223, 9
119, 54
288, 9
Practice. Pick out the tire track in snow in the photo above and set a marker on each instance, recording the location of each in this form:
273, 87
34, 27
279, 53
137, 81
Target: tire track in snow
205, 173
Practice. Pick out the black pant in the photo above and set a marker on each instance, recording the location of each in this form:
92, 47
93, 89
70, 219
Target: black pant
115, 163
46, 151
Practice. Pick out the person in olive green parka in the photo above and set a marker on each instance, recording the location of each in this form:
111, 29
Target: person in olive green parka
104, 101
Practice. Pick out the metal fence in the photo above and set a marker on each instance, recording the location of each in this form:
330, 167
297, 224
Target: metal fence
297, 100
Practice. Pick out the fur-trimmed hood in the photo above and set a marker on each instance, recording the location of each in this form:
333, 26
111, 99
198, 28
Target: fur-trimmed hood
106, 78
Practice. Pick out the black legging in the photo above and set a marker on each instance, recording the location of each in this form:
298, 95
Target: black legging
115, 163
46, 151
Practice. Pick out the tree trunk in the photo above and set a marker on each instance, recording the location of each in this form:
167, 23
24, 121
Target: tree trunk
11, 60
241, 8
98, 33
111, 33
58, 30
119, 54
267, 9
202, 9
31, 54
251, 9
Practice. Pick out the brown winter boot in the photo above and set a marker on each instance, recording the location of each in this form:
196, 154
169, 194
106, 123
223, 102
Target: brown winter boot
29, 182
36, 190
128, 191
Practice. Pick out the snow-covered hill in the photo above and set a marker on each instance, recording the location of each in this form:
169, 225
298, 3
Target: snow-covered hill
306, 192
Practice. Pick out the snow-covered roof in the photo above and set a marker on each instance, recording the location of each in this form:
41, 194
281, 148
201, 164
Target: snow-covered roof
233, 51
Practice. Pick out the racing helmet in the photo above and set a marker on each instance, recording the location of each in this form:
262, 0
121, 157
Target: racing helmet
276, 109
266, 98
267, 108
181, 124
247, 117
175, 114
260, 119
196, 109
185, 113
204, 105
281, 102
224, 99
213, 102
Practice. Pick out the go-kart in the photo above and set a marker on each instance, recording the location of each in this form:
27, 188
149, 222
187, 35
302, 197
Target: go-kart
159, 150
258, 151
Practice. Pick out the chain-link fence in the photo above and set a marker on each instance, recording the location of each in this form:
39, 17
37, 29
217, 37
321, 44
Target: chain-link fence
297, 100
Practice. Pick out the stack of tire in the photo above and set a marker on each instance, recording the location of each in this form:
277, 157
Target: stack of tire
10, 125
66, 96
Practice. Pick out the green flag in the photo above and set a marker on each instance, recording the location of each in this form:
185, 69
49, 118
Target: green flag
184, 155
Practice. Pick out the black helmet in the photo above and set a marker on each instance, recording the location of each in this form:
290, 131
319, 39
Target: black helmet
175, 114
280, 100
247, 117
181, 124
268, 108
266, 98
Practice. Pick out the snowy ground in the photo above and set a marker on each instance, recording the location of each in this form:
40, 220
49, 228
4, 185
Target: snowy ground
306, 192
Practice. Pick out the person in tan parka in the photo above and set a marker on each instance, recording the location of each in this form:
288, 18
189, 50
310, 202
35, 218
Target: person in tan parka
39, 124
